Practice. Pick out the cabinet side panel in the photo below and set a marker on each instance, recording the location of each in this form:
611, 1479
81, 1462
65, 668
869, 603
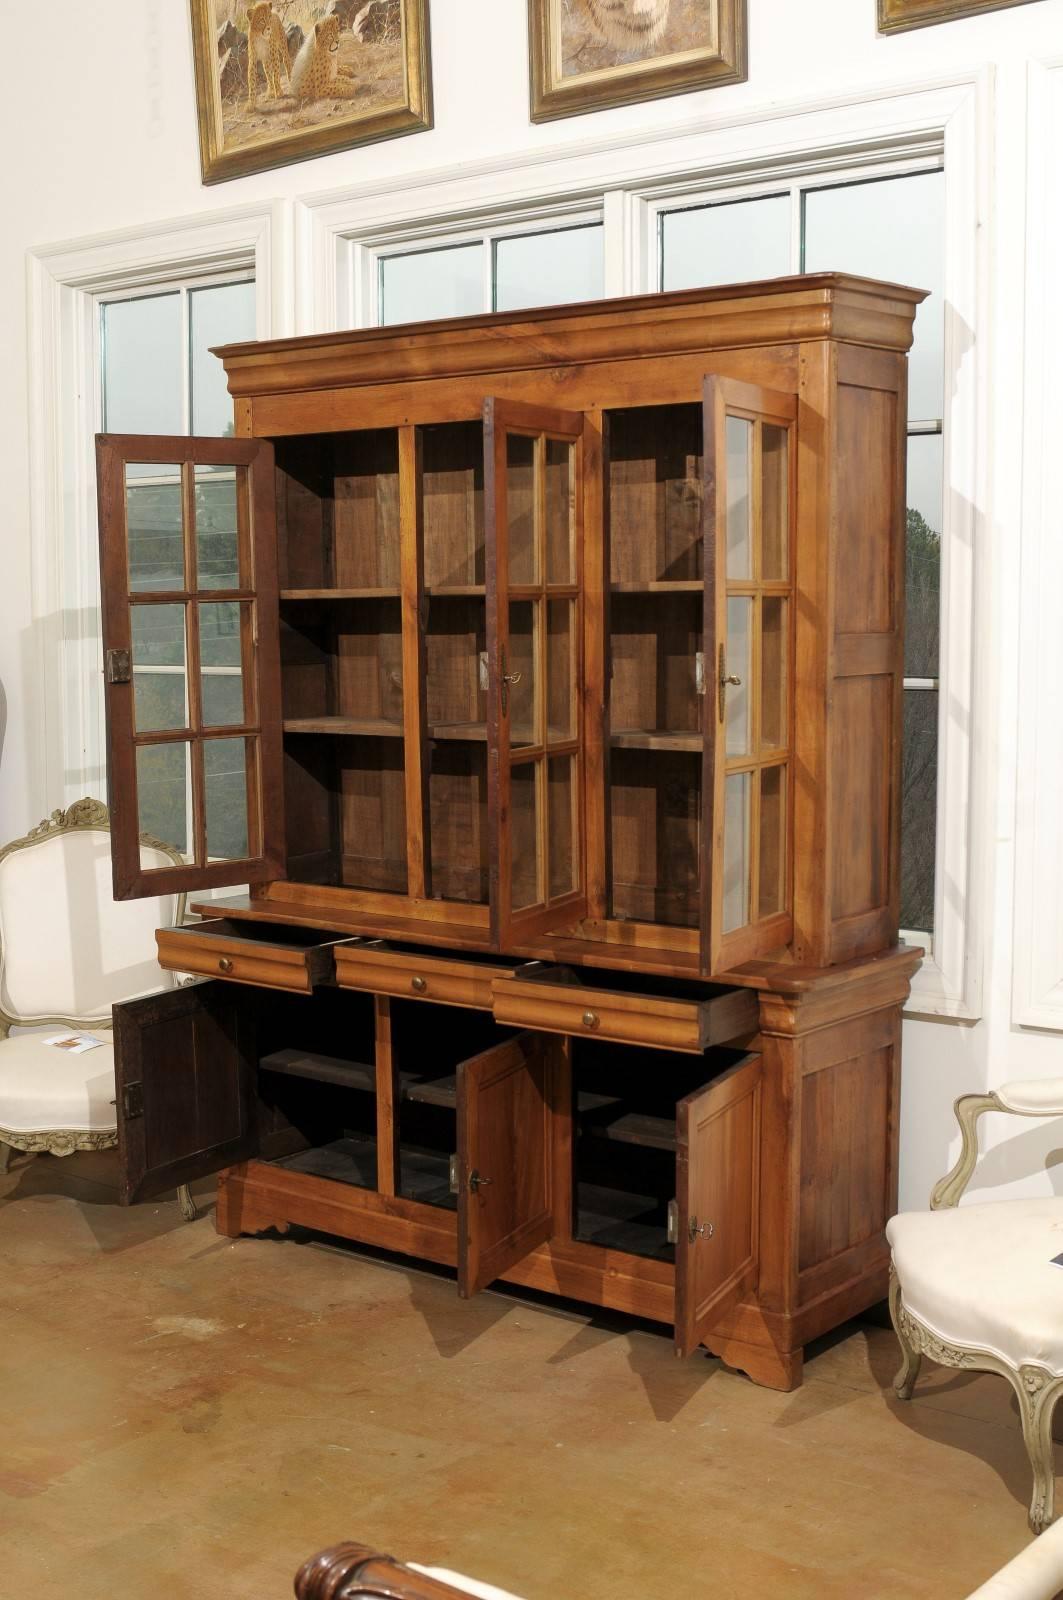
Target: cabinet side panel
860, 744
864, 510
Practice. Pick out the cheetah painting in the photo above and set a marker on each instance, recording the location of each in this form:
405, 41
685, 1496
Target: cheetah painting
280, 80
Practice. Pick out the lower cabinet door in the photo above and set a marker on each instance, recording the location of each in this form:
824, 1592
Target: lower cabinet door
185, 1065
506, 1131
718, 1200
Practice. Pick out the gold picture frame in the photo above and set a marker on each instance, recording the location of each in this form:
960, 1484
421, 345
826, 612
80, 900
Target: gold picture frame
327, 75
897, 16
587, 55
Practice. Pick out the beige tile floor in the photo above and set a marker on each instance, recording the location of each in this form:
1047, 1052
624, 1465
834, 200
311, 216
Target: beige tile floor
189, 1416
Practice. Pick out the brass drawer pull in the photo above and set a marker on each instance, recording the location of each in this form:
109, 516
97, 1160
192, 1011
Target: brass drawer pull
418, 985
590, 1019
225, 965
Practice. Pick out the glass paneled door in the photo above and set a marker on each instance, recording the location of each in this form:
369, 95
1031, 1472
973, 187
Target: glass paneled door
189, 591
750, 466
532, 491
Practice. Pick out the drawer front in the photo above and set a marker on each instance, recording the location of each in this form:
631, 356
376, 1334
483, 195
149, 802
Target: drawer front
643, 1019
410, 976
224, 955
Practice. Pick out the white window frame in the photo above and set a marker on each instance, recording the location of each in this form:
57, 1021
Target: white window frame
873, 134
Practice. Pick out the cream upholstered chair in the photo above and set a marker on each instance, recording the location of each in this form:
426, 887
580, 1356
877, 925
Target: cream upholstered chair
68, 951
976, 1287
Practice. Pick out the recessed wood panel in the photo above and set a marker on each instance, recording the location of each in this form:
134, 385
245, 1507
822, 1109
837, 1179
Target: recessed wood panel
861, 737
865, 510
845, 1142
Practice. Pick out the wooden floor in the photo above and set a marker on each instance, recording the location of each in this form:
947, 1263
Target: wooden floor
188, 1416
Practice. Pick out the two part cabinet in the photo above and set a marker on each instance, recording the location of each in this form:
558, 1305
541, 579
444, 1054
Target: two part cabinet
541, 679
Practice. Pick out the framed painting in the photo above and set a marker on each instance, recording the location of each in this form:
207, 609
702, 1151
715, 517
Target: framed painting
283, 80
590, 54
895, 16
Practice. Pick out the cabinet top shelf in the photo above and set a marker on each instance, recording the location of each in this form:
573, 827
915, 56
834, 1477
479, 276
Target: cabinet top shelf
347, 726
388, 593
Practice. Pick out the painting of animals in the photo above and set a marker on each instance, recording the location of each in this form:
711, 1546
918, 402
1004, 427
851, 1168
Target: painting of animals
281, 80
590, 54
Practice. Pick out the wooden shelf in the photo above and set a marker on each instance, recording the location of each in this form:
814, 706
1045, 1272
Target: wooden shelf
660, 586
345, 726
341, 594
630, 1127
469, 732
466, 591
654, 739
440, 1091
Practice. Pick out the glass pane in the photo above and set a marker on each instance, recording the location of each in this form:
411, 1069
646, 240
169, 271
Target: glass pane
221, 313
560, 669
217, 543
773, 658
526, 866
737, 701
774, 500
220, 650
520, 508
919, 762
225, 784
432, 283
891, 228
520, 667
142, 360
155, 527
158, 637
163, 787
772, 894
561, 798
739, 499
735, 242
559, 509
549, 269
922, 629
736, 851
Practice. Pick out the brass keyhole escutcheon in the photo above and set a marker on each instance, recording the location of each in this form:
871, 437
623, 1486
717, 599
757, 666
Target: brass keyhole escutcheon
225, 965
418, 985
476, 1182
590, 1019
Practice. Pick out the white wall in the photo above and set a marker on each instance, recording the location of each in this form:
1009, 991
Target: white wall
100, 134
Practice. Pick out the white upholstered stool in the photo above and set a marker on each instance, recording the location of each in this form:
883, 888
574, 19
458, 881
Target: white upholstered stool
975, 1286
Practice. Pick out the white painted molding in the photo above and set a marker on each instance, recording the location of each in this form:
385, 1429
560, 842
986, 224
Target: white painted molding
63, 281
1037, 950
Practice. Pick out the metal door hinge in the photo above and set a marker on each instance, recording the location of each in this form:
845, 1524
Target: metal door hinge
699, 672
133, 1101
485, 673
455, 1176
116, 666
673, 1222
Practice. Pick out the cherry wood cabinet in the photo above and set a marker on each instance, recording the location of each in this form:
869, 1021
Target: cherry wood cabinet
540, 678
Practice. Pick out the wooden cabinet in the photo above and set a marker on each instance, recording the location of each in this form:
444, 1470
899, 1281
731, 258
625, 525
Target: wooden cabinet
539, 675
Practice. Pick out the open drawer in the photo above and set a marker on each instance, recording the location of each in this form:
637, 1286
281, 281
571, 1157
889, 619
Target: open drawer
262, 953
625, 1007
414, 974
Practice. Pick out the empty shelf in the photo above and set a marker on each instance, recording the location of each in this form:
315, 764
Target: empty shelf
603, 1117
348, 726
390, 592
413, 1086
654, 739
660, 586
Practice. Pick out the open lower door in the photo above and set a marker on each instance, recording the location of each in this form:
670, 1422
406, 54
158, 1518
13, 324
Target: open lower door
184, 1064
718, 1197
749, 505
505, 1157
533, 499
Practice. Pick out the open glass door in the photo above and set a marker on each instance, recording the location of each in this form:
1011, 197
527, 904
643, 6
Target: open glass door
191, 659
717, 1250
533, 499
747, 784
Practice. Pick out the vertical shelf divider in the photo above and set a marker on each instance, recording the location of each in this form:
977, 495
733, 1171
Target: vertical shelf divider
414, 663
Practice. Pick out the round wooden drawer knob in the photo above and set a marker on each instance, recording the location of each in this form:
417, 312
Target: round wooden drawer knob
590, 1019
418, 985
225, 965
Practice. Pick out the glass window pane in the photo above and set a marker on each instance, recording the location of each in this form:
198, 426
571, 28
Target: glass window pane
217, 542
739, 440
549, 269
142, 360
733, 242
919, 809
432, 283
735, 851
221, 313
560, 669
559, 512
158, 638
520, 669
561, 797
162, 793
892, 228
775, 501
923, 575
220, 647
225, 786
771, 897
737, 702
774, 653
520, 506
525, 864
154, 527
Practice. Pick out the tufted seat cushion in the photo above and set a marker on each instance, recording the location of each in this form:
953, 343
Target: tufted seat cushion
983, 1276
42, 1088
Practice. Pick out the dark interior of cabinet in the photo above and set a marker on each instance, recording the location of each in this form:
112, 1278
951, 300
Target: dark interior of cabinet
655, 645
338, 512
345, 811
655, 836
654, 495
452, 482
